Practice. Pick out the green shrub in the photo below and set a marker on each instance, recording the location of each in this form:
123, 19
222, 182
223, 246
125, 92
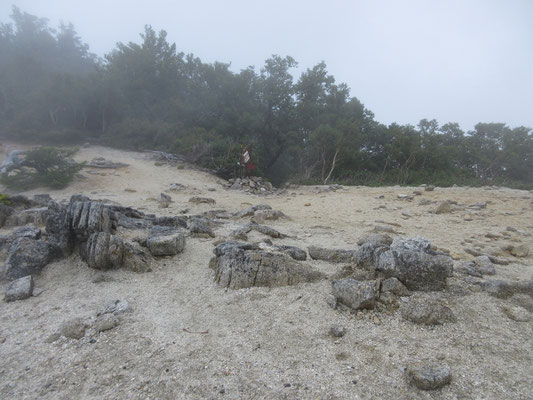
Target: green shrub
44, 166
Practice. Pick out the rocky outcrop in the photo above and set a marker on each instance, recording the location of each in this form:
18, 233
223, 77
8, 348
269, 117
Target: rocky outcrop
239, 266
105, 251
415, 264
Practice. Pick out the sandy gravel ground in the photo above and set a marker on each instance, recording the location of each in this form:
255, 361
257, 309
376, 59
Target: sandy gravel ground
188, 338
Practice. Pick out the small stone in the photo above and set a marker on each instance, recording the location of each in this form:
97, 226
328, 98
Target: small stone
331, 301
427, 310
19, 289
484, 266
518, 314
164, 200
429, 376
307, 204
519, 251
73, 329
116, 307
377, 321
522, 300
444, 208
429, 188
337, 331
106, 322
202, 200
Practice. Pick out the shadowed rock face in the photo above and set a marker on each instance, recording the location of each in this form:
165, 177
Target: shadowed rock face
27, 256
236, 268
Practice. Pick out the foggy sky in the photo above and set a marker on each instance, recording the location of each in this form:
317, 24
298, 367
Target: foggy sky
464, 61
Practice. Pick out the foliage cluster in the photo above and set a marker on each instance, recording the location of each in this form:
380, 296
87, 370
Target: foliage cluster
45, 166
148, 95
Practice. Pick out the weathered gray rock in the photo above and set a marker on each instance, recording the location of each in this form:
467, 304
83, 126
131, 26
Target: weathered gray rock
414, 263
87, 217
5, 212
375, 239
429, 188
427, 310
337, 331
30, 232
19, 289
106, 322
57, 225
73, 329
467, 268
522, 300
200, 227
250, 211
166, 245
356, 294
505, 289
266, 230
394, 286
35, 216
484, 265
104, 251
172, 221
238, 268
27, 257
519, 251
42, 199
367, 254
116, 307
202, 200
164, 200
241, 233
332, 255
294, 252
518, 313
429, 376
135, 258
444, 208
261, 216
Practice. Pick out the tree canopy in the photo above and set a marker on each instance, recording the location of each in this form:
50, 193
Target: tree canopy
148, 95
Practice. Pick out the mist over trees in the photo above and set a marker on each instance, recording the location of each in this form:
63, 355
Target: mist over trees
309, 129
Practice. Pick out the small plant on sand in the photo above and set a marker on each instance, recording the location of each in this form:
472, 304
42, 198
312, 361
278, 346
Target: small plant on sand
45, 166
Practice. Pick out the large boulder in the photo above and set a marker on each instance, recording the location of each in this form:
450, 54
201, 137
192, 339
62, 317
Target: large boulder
27, 256
415, 264
241, 266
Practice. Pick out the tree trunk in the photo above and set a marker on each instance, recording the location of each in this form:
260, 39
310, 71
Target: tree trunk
332, 166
